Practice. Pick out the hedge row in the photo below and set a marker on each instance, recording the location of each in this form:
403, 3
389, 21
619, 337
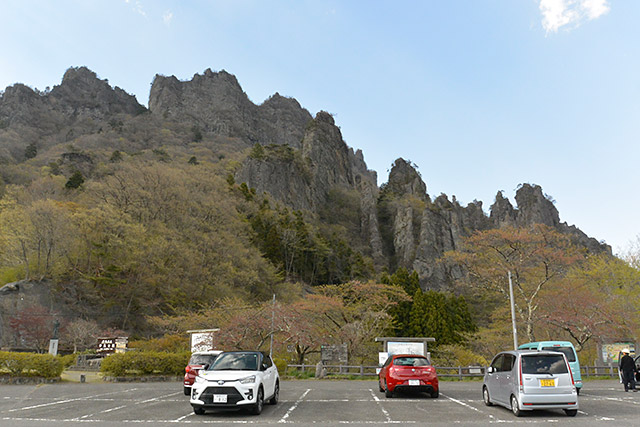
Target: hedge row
32, 364
145, 363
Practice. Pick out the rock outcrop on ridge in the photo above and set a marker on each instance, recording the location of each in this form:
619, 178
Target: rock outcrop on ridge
300, 160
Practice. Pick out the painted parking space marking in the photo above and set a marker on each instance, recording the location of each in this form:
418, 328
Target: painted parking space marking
69, 400
460, 402
294, 406
384, 411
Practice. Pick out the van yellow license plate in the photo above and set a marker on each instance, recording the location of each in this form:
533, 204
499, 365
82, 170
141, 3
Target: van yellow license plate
547, 383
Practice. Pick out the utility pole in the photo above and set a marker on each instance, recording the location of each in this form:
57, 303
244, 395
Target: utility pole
513, 314
273, 315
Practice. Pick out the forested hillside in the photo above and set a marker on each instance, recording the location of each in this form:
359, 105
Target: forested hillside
144, 220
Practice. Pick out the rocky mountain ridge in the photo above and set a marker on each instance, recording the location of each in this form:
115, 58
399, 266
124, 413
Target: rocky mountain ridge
299, 160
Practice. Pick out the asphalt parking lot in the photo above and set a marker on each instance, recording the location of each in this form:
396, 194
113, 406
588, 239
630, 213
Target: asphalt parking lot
301, 402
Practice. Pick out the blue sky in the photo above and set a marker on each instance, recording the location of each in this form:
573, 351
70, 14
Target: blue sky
482, 95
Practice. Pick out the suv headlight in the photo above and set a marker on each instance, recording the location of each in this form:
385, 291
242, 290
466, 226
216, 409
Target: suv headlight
248, 380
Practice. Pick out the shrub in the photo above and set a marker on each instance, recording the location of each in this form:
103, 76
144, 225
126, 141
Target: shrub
167, 343
281, 364
31, 364
145, 363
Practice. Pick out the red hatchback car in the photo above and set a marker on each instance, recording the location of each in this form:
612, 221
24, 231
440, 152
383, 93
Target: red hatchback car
408, 372
198, 361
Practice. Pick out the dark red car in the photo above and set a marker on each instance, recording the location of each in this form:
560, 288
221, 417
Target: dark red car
408, 372
197, 361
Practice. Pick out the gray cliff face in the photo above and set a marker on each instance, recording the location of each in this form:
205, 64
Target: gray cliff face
215, 103
420, 236
81, 95
304, 178
81, 105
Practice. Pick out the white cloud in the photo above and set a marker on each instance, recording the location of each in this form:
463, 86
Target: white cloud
137, 7
571, 13
167, 17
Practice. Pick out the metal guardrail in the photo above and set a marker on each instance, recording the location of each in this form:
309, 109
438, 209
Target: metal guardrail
459, 372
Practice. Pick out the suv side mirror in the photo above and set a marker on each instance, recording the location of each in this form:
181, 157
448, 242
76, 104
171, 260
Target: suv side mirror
491, 370
263, 367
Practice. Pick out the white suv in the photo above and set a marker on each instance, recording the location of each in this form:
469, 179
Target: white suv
237, 379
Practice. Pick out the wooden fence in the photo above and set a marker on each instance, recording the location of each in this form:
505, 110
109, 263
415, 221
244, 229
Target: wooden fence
459, 372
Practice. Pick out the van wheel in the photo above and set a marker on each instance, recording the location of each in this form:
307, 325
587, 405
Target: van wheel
571, 412
485, 396
514, 406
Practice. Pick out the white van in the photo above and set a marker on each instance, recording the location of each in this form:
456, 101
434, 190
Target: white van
524, 380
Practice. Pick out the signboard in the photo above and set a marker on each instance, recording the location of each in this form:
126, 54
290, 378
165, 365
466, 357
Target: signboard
202, 340
109, 345
334, 354
53, 347
611, 351
405, 348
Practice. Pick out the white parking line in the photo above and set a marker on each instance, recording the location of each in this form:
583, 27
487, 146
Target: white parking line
384, 411
184, 416
459, 402
58, 402
293, 407
157, 398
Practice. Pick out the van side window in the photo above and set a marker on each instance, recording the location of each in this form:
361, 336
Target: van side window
497, 363
509, 360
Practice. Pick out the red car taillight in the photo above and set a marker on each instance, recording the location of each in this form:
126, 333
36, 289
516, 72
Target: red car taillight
520, 372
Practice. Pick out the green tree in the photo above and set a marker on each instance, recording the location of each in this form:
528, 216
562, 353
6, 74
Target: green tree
442, 316
537, 257
116, 156
31, 151
595, 300
75, 181
401, 313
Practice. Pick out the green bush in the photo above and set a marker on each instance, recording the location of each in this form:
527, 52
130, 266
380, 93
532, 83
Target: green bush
145, 363
281, 364
68, 360
31, 364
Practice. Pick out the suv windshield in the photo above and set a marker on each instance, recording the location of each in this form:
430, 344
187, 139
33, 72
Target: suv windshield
202, 359
543, 364
411, 361
568, 351
236, 362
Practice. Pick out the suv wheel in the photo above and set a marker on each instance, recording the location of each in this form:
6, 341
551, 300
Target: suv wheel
435, 394
198, 411
514, 406
276, 394
256, 409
